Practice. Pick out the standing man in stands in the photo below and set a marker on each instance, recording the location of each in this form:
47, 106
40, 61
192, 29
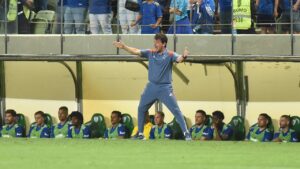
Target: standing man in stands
61, 129
11, 128
160, 80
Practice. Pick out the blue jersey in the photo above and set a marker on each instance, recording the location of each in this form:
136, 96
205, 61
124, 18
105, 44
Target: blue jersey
45, 133
224, 131
225, 5
167, 132
64, 2
293, 135
59, 126
266, 7
120, 130
160, 65
100, 7
78, 3
18, 130
207, 133
266, 137
150, 13
181, 5
85, 131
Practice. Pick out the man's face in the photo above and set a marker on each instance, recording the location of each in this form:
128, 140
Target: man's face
75, 121
158, 119
262, 121
283, 123
199, 119
216, 120
114, 119
62, 116
9, 119
39, 119
158, 45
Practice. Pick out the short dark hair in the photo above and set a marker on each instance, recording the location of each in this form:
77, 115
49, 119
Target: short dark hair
162, 114
162, 37
12, 112
288, 117
201, 112
64, 109
40, 113
78, 115
118, 113
218, 114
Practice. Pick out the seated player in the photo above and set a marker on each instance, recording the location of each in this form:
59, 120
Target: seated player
78, 130
147, 128
200, 131
260, 132
117, 130
160, 130
219, 130
61, 129
285, 133
11, 128
39, 129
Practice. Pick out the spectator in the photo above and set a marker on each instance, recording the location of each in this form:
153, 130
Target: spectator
11, 128
260, 132
165, 5
150, 16
60, 11
100, 16
75, 12
78, 129
39, 129
200, 131
225, 15
179, 9
203, 16
61, 129
160, 130
265, 15
117, 130
127, 17
285, 133
285, 18
147, 128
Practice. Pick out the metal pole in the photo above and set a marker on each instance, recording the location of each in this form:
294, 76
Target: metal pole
5, 26
79, 92
2, 90
241, 89
292, 27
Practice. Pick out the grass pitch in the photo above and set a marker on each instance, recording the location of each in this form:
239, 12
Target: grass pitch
136, 154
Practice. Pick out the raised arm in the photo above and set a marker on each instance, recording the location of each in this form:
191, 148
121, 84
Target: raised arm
183, 56
129, 49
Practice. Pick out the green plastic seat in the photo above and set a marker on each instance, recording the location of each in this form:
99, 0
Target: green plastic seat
48, 120
152, 119
208, 121
21, 122
237, 124
128, 123
97, 125
295, 125
177, 133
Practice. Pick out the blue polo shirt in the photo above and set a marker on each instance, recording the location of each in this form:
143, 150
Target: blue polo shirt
181, 5
265, 7
160, 65
45, 133
226, 5
286, 5
18, 130
120, 129
150, 12
100, 7
78, 3
167, 132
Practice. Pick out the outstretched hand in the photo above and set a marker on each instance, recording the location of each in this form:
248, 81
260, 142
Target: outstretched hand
119, 44
185, 53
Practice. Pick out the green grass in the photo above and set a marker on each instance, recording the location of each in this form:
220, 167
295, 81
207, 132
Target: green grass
136, 154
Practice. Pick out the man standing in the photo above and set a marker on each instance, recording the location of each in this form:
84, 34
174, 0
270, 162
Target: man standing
160, 80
